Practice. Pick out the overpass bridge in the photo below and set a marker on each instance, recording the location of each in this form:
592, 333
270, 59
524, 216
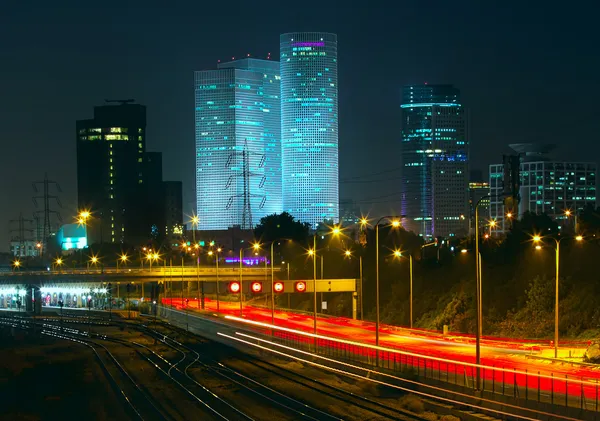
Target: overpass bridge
161, 273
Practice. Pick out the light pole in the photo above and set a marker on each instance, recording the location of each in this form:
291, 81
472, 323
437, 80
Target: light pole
58, 262
336, 230
93, 260
313, 253
395, 223
210, 253
200, 292
348, 254
123, 259
149, 257
256, 247
479, 322
537, 239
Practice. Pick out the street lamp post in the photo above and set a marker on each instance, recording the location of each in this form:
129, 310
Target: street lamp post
241, 280
200, 286
210, 253
348, 254
123, 259
538, 239
395, 224
479, 322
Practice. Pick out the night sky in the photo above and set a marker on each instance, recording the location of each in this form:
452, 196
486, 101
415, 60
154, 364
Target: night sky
527, 73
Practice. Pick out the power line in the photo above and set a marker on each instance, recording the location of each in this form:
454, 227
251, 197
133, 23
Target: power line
377, 197
357, 177
377, 180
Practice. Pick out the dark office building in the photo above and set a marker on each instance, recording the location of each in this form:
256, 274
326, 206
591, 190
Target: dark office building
435, 145
173, 199
110, 172
154, 193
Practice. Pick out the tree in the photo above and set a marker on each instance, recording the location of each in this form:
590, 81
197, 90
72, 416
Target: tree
589, 220
283, 225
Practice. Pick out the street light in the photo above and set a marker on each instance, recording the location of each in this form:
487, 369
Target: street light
312, 252
348, 254
16, 264
210, 253
58, 262
123, 259
538, 240
93, 260
395, 223
479, 322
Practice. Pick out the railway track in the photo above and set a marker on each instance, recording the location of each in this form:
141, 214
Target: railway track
330, 396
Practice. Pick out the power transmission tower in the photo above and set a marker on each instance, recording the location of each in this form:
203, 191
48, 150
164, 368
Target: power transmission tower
22, 229
246, 174
46, 197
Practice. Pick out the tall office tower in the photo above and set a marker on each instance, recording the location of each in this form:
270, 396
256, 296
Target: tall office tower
546, 186
435, 153
110, 162
238, 149
309, 126
173, 192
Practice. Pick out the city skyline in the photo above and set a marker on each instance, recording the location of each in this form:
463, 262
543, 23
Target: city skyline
506, 108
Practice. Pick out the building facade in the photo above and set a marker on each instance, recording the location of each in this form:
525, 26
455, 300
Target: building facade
478, 190
238, 143
309, 126
546, 186
435, 154
173, 197
110, 167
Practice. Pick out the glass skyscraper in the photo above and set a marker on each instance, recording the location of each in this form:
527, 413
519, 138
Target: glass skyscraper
238, 149
435, 172
309, 126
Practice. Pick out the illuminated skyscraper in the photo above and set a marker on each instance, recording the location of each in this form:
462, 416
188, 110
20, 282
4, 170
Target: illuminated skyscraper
309, 126
435, 173
238, 149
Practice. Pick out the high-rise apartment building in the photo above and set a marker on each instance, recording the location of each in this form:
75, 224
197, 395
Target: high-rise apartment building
309, 126
546, 186
110, 162
238, 143
435, 153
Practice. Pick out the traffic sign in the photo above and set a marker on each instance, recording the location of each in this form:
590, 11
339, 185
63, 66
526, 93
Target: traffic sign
300, 286
256, 287
234, 287
278, 287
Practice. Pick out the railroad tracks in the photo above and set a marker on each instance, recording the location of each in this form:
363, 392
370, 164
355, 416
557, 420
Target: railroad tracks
218, 390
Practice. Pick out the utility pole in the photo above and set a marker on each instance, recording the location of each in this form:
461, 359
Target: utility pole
46, 210
246, 174
22, 229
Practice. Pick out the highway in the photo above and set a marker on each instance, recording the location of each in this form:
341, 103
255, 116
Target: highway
509, 355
